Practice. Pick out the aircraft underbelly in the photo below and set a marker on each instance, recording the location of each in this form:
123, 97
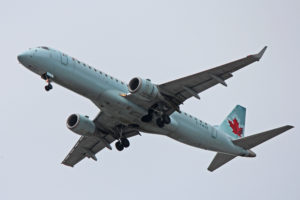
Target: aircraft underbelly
207, 137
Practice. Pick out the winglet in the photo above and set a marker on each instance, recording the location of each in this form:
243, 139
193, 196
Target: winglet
260, 54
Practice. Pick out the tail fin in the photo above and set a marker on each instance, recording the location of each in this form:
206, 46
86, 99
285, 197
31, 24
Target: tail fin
246, 143
234, 123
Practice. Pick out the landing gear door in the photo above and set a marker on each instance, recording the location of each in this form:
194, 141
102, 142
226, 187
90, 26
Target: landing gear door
214, 133
64, 58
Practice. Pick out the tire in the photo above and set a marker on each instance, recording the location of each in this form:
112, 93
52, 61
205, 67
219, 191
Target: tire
166, 119
160, 122
119, 146
125, 142
47, 88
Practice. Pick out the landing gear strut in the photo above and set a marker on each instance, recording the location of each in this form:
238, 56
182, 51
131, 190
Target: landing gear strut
48, 87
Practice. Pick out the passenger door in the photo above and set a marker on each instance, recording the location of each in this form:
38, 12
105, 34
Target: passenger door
214, 133
64, 58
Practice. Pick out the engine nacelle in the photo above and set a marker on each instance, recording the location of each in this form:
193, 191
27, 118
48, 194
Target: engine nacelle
143, 88
81, 125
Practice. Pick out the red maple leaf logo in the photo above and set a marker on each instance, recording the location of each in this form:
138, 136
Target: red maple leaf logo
234, 124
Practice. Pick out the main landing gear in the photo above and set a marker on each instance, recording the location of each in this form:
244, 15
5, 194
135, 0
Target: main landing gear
160, 121
123, 142
47, 76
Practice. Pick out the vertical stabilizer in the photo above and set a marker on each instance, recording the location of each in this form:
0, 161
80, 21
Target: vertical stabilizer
234, 123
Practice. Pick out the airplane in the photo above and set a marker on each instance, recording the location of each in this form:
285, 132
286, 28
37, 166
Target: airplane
142, 106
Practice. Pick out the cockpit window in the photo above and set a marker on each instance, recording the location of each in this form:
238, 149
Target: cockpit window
45, 48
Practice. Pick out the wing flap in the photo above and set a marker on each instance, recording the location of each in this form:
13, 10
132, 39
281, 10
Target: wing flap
83, 147
90, 146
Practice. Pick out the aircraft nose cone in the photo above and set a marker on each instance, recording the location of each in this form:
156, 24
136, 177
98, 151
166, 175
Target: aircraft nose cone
21, 57
24, 57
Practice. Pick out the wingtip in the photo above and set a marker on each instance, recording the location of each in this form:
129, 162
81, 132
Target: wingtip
210, 170
260, 54
67, 164
289, 127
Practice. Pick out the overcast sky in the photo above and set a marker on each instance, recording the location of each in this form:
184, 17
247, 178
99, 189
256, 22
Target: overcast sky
161, 40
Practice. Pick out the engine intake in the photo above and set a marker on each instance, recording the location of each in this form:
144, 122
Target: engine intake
81, 125
143, 88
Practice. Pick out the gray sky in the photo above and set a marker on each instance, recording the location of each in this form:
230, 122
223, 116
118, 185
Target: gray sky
161, 40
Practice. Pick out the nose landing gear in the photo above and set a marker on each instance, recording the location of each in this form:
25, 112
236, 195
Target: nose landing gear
49, 86
47, 76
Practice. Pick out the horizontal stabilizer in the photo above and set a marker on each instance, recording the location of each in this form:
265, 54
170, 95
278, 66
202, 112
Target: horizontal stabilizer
219, 160
254, 140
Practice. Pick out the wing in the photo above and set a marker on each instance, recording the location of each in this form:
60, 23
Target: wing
90, 146
179, 90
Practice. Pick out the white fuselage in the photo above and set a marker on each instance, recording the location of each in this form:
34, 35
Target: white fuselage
106, 92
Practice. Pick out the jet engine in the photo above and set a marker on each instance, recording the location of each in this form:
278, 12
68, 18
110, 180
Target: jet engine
81, 125
143, 88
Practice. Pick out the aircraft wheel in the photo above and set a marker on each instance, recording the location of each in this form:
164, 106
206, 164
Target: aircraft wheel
47, 88
160, 122
119, 146
166, 119
125, 142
